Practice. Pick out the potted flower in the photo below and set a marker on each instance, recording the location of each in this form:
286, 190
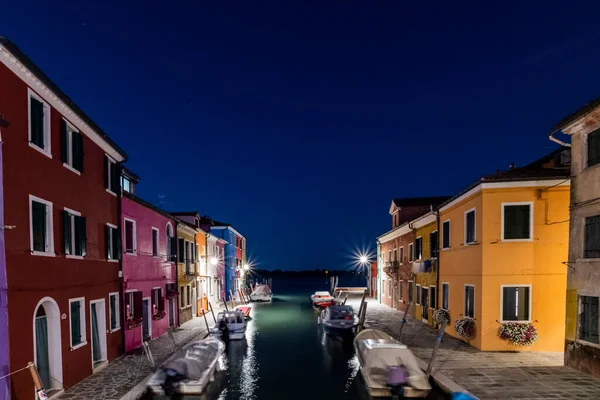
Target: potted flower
465, 328
171, 294
518, 333
133, 322
441, 315
159, 315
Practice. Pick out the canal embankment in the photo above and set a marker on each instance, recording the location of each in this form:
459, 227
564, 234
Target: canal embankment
487, 375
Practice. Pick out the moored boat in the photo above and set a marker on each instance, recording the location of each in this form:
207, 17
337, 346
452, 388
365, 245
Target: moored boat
231, 324
261, 293
190, 370
388, 367
321, 299
339, 320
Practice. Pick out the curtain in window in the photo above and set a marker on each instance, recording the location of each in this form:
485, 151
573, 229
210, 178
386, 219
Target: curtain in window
96, 352
113, 312
41, 350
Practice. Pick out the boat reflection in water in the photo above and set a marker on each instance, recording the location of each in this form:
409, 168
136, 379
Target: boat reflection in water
242, 367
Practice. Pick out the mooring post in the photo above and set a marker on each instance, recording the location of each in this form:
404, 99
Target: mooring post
345, 300
438, 340
362, 303
149, 355
37, 381
404, 320
206, 322
363, 316
232, 299
225, 304
211, 311
172, 337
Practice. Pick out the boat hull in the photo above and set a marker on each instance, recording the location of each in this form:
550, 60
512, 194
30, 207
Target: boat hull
260, 298
339, 331
409, 392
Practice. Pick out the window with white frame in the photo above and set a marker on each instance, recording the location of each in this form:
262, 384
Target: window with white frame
470, 233
74, 233
445, 296
112, 177
155, 242
418, 248
516, 303
410, 291
41, 232
39, 124
181, 297
113, 240
383, 282
130, 236
433, 244
517, 221
401, 254
113, 304
395, 254
588, 319
188, 294
401, 290
77, 321
130, 303
72, 147
432, 296
411, 253
469, 308
390, 288
446, 234
418, 294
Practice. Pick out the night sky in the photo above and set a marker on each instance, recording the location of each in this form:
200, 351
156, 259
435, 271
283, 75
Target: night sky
299, 123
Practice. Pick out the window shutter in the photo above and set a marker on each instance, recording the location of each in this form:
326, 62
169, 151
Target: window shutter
67, 232
83, 236
75, 323
509, 304
38, 216
593, 320
593, 148
80, 153
181, 247
106, 175
161, 300
64, 141
137, 304
37, 122
116, 178
173, 255
117, 247
113, 311
107, 239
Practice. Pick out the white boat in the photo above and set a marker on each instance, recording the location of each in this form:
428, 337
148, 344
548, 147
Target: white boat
190, 370
231, 324
261, 293
339, 320
389, 367
322, 299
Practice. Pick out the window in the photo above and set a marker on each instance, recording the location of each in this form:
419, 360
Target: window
411, 253
112, 177
445, 295
72, 147
401, 290
39, 124
516, 303
390, 255
401, 254
395, 255
419, 248
77, 318
74, 228
469, 310
113, 242
591, 247
588, 318
154, 242
593, 147
410, 291
130, 236
113, 303
432, 296
390, 288
433, 245
446, 234
517, 221
182, 297
41, 233
127, 185
383, 287
418, 294
470, 236
171, 244
181, 247
158, 304
188, 295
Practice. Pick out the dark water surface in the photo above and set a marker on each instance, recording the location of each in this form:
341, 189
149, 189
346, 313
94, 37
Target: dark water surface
286, 355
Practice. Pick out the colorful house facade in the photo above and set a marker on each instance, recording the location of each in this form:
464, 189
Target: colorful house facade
220, 270
503, 243
233, 254
582, 344
149, 271
424, 267
4, 349
61, 192
187, 270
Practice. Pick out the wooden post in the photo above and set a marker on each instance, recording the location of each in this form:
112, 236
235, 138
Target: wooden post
362, 303
206, 322
40, 393
345, 300
232, 299
438, 340
149, 355
170, 332
211, 311
225, 304
363, 316
404, 320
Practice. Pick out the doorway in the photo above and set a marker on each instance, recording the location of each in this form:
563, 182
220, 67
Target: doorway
47, 343
194, 303
98, 331
425, 303
171, 313
146, 320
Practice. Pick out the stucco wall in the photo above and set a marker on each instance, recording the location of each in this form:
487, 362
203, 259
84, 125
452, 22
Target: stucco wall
426, 279
4, 345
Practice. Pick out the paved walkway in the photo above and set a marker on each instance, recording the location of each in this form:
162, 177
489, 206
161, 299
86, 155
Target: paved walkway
124, 373
488, 375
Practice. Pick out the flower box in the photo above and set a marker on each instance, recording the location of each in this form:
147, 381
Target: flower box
171, 294
134, 322
441, 315
466, 328
518, 333
159, 315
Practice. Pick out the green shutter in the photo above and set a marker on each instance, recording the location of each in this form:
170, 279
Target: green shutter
67, 232
117, 244
64, 142
80, 153
37, 122
38, 222
108, 242
113, 311
593, 148
106, 172
83, 235
75, 323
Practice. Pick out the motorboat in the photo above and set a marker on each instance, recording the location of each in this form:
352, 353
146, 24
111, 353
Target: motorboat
230, 324
321, 300
261, 293
388, 367
245, 310
339, 320
190, 370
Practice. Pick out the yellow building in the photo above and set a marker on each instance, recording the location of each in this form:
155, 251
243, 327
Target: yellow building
503, 244
187, 270
424, 266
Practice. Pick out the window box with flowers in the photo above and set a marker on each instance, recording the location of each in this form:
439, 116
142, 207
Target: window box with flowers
518, 333
159, 315
441, 315
134, 322
172, 294
465, 328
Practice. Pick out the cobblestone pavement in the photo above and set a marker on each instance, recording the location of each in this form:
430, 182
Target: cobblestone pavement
488, 375
124, 373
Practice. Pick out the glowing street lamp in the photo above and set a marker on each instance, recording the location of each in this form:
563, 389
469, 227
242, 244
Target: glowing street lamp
363, 260
214, 261
246, 267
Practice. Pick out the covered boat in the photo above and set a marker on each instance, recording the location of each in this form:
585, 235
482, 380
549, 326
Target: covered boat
389, 367
261, 293
190, 370
245, 310
231, 324
339, 320
322, 299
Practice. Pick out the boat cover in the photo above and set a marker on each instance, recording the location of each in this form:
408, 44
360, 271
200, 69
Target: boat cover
193, 360
340, 312
377, 352
261, 290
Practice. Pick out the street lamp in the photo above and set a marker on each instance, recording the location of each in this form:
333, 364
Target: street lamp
214, 261
246, 267
363, 260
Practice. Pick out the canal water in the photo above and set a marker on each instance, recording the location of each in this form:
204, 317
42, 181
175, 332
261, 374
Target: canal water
286, 355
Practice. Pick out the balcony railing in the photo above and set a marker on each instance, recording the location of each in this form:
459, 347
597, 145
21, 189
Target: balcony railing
391, 267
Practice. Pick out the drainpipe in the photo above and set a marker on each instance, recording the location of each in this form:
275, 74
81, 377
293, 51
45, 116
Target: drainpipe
437, 274
122, 278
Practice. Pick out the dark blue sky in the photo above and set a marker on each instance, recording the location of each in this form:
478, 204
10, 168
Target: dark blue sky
299, 123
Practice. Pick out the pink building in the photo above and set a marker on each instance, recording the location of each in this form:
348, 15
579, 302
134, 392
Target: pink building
149, 270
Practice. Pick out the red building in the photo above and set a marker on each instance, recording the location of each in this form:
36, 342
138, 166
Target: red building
61, 195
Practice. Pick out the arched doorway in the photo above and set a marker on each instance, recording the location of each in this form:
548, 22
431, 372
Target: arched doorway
47, 344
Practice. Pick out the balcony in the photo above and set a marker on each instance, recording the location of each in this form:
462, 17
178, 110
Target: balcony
391, 267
